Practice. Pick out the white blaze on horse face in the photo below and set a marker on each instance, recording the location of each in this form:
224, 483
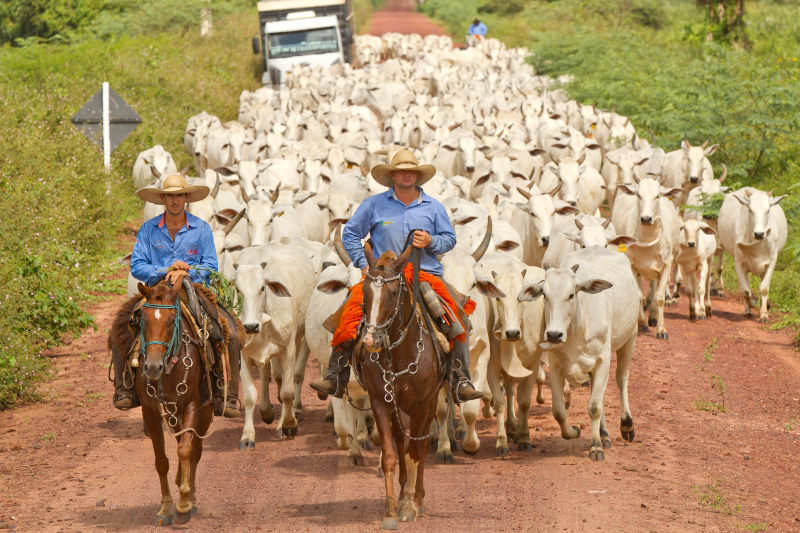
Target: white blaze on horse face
158, 314
371, 317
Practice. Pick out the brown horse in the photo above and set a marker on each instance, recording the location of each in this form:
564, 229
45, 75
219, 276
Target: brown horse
398, 365
172, 387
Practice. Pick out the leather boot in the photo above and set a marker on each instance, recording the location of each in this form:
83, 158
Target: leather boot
463, 391
232, 401
124, 393
338, 373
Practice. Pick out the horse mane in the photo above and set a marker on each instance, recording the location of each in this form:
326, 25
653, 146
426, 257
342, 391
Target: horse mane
386, 260
120, 334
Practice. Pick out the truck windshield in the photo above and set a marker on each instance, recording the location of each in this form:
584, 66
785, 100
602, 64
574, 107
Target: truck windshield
316, 41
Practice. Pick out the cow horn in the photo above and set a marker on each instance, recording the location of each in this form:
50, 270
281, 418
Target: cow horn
232, 223
338, 245
184, 171
688, 144
606, 223
484, 245
215, 190
724, 173
578, 224
275, 193
703, 146
523, 192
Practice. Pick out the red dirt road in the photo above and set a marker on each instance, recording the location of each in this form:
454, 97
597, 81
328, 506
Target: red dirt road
400, 16
73, 463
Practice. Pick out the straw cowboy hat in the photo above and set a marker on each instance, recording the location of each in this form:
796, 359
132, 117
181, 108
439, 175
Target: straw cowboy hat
173, 184
402, 160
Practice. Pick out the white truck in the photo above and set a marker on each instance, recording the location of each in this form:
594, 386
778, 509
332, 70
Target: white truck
303, 32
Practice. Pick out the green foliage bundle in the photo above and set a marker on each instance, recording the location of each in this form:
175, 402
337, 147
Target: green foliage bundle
62, 213
709, 207
228, 295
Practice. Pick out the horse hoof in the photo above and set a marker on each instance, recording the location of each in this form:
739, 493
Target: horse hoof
420, 510
445, 458
597, 455
181, 518
606, 443
290, 432
247, 445
268, 417
662, 336
525, 446
407, 515
164, 520
501, 451
389, 523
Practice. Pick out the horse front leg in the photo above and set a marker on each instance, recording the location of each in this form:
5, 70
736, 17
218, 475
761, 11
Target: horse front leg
152, 421
183, 509
411, 504
205, 415
383, 420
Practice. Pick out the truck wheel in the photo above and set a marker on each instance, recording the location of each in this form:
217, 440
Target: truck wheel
256, 45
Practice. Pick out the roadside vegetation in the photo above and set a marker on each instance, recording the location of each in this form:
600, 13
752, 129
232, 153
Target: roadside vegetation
652, 61
63, 215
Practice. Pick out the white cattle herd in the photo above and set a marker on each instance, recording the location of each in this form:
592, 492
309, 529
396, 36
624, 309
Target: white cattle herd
562, 284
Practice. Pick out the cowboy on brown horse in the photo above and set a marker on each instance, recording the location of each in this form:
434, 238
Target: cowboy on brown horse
177, 246
388, 218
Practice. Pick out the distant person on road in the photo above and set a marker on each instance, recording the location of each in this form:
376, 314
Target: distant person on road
477, 32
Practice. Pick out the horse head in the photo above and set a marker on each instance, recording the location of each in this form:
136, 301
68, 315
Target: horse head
383, 296
159, 328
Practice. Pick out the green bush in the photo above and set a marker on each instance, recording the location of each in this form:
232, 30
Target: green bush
501, 7
45, 19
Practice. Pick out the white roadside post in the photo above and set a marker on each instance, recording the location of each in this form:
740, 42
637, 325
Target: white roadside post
106, 131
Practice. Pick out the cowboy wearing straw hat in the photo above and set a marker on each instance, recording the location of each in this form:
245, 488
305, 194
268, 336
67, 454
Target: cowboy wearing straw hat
173, 245
388, 218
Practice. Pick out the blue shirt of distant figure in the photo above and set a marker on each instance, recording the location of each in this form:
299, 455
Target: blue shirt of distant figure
478, 29
155, 251
388, 221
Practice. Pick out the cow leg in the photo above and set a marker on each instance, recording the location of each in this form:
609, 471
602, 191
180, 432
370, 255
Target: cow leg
764, 289
498, 404
661, 290
744, 286
265, 406
288, 426
691, 292
701, 289
469, 415
444, 452
672, 298
559, 411
249, 393
716, 280
300, 373
540, 379
624, 358
341, 423
152, 421
652, 299
522, 430
358, 432
596, 408
511, 417
706, 286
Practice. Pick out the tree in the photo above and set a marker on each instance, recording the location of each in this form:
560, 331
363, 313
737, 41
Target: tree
726, 19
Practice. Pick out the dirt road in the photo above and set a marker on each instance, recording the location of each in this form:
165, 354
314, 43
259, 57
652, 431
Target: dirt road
73, 463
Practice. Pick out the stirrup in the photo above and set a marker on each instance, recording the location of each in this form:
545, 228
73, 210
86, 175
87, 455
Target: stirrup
232, 409
459, 385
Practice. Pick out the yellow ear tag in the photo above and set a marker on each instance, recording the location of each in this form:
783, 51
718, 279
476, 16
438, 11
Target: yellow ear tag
594, 126
621, 247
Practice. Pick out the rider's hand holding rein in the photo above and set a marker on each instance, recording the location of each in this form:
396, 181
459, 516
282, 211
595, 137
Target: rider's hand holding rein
422, 239
177, 272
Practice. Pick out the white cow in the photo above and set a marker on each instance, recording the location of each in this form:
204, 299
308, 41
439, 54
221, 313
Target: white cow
590, 310
686, 167
281, 283
753, 229
151, 165
697, 245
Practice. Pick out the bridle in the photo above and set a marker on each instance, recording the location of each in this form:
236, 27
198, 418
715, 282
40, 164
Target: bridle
173, 342
380, 329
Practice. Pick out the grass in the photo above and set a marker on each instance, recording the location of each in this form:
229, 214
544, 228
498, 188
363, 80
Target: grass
711, 497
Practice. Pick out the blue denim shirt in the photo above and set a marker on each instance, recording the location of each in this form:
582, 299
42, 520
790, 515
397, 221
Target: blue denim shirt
155, 251
478, 29
388, 221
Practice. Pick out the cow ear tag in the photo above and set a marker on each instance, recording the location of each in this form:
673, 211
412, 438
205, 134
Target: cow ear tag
621, 247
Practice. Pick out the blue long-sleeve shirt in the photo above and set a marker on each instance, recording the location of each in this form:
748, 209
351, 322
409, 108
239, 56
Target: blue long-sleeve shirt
478, 29
155, 251
388, 221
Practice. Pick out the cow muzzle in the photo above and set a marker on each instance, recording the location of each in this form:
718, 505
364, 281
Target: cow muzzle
545, 241
555, 337
758, 235
646, 220
513, 334
252, 327
694, 179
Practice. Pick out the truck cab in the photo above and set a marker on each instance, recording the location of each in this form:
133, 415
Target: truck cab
303, 32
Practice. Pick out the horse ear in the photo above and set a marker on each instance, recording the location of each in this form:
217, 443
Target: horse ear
144, 289
401, 261
368, 254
